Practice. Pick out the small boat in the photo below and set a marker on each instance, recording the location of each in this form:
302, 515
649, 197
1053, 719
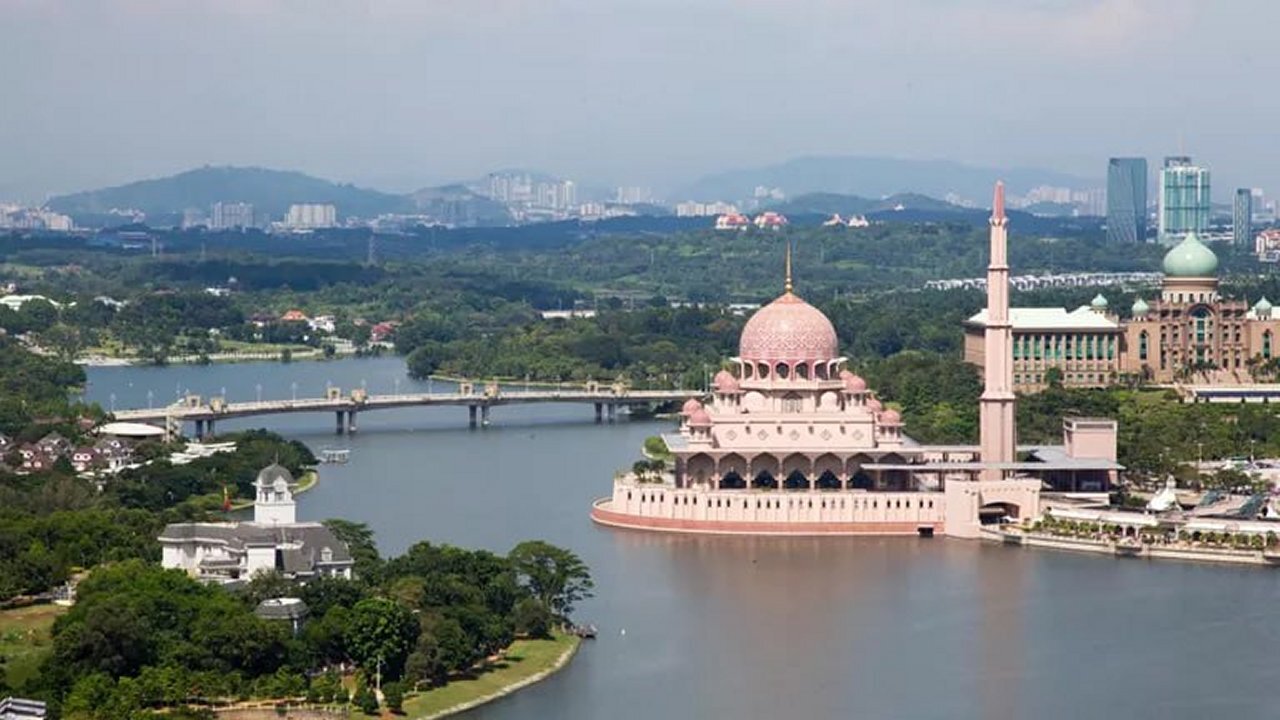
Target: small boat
586, 632
335, 455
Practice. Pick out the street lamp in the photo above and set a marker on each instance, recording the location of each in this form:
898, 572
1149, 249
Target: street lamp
113, 402
150, 395
396, 382
259, 388
294, 387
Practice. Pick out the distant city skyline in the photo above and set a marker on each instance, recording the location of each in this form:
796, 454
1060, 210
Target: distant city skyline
398, 95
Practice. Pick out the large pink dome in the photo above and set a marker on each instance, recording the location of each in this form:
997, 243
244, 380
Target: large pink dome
789, 330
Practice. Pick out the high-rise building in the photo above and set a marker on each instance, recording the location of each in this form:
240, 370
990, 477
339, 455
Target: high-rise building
308, 216
229, 216
1184, 199
1242, 218
1127, 200
632, 195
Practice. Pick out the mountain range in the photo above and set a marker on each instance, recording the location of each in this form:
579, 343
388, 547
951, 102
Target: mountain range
823, 203
875, 177
847, 184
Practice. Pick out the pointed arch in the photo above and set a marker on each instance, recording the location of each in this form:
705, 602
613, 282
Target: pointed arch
764, 462
795, 462
700, 469
828, 462
854, 464
732, 463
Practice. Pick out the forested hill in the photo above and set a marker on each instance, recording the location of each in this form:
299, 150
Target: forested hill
835, 203
270, 191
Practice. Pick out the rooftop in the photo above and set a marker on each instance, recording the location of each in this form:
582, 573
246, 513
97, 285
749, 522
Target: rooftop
1082, 318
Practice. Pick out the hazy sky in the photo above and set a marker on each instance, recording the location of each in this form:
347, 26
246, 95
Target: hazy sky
398, 94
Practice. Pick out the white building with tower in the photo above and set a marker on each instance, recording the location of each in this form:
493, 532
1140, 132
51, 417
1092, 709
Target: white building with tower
230, 552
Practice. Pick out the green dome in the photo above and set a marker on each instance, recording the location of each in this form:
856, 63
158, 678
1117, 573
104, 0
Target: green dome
1190, 258
1262, 306
1140, 307
1099, 302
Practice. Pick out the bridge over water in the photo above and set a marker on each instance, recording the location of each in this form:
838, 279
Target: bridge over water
205, 412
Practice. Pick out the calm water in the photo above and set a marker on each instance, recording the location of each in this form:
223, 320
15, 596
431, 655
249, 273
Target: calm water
771, 628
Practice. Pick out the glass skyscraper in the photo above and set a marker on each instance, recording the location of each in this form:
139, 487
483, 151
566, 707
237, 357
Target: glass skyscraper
1127, 200
1242, 219
1184, 199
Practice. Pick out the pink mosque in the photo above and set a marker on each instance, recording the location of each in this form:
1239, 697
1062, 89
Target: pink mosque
790, 442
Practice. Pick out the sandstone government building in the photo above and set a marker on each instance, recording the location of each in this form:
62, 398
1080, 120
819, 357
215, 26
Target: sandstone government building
790, 442
1189, 331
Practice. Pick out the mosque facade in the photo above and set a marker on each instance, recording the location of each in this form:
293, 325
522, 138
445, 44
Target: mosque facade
791, 442
1187, 333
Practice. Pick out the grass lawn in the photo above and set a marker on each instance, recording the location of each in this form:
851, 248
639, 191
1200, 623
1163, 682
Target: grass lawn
231, 346
524, 659
25, 640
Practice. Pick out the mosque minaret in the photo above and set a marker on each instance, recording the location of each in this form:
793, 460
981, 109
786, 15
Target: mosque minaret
997, 426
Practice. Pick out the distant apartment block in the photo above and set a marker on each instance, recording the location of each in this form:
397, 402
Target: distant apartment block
697, 209
231, 216
632, 195
17, 217
309, 216
1127, 200
523, 190
1048, 194
1267, 245
604, 211
1184, 199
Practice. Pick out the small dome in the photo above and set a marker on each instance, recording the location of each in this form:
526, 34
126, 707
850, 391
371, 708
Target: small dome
726, 383
891, 417
874, 405
788, 330
1140, 308
690, 407
1099, 302
852, 383
270, 475
700, 418
1262, 305
1190, 258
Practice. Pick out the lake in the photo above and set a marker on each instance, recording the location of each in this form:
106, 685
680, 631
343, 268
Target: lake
707, 627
